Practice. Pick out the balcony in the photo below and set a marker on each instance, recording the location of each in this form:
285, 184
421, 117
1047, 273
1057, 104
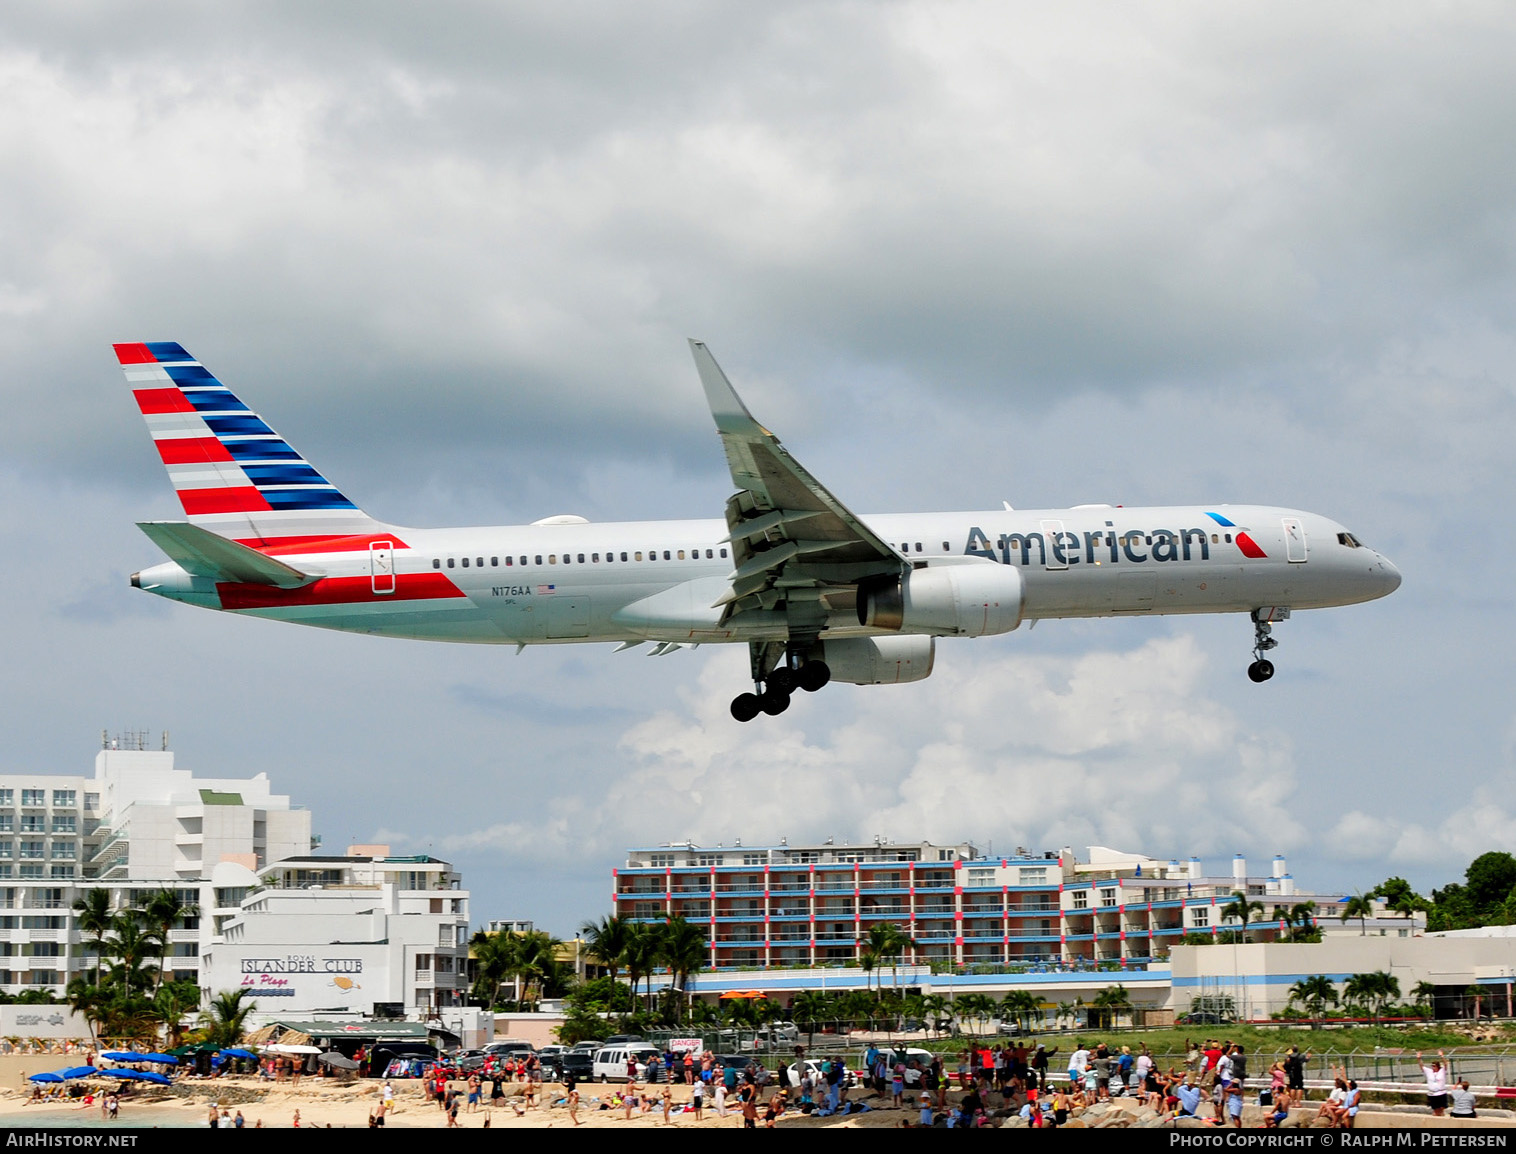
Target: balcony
935, 909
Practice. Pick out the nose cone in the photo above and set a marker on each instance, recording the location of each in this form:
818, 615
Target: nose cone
1386, 576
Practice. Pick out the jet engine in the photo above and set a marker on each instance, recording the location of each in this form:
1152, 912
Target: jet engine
947, 600
879, 660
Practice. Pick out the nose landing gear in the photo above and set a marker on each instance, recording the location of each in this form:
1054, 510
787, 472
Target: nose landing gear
1262, 668
774, 686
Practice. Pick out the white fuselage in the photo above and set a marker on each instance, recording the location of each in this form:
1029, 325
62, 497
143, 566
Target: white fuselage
659, 580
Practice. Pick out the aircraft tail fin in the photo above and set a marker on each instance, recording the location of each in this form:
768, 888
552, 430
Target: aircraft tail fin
202, 553
234, 475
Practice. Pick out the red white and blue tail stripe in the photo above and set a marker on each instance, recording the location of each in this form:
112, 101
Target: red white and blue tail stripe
234, 475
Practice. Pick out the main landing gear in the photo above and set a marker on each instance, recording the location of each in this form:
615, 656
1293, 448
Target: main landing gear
774, 690
1262, 668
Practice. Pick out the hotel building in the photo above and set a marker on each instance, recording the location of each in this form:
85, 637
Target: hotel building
813, 905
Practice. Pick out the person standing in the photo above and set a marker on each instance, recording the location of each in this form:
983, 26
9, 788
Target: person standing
1437, 1084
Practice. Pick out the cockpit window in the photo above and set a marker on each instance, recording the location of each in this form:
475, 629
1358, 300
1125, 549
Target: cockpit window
1349, 540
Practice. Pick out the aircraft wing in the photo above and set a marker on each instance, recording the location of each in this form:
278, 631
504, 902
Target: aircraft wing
205, 554
793, 541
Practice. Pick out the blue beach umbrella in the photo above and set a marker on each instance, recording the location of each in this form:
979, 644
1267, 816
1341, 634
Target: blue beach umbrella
124, 1056
166, 1059
45, 1078
79, 1072
238, 1052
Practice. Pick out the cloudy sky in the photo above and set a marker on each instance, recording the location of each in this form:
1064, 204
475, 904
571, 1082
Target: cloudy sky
953, 253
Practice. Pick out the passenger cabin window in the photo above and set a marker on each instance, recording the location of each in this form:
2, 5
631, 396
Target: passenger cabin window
681, 554
639, 556
449, 562
495, 562
552, 558
595, 557
709, 554
723, 552
945, 546
508, 560
581, 558
623, 556
436, 562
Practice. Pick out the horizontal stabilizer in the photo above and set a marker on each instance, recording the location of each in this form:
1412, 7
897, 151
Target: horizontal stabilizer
201, 553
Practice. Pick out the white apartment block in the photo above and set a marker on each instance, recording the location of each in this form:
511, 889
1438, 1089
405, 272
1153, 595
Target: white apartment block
364, 933
135, 826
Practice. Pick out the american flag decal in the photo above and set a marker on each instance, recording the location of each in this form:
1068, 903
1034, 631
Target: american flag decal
544, 589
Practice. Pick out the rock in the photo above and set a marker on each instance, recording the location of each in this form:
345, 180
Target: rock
1112, 1122
1075, 1124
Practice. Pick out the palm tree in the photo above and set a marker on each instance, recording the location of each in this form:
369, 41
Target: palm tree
1423, 995
932, 1006
809, 1008
1315, 993
173, 1002
606, 939
868, 959
1020, 1005
494, 962
1358, 906
1112, 1000
89, 1002
978, 1007
1303, 914
1243, 909
684, 948
536, 963
131, 945
94, 917
639, 954
224, 1019
162, 910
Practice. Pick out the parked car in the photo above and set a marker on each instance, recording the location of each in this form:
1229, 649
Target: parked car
579, 1063
612, 1058
798, 1069
588, 1046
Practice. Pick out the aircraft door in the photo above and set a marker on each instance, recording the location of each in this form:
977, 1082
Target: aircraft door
381, 566
1294, 540
1052, 531
568, 616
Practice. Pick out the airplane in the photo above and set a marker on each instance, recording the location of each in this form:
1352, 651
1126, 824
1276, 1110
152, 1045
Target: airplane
815, 591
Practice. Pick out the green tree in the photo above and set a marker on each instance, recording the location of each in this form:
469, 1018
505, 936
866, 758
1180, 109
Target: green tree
131, 944
1021, 1006
1112, 1001
810, 1009
1373, 990
1359, 906
1243, 909
1423, 996
606, 940
222, 1022
1399, 896
639, 954
161, 912
978, 1008
93, 912
684, 949
494, 964
174, 1002
1315, 994
1490, 879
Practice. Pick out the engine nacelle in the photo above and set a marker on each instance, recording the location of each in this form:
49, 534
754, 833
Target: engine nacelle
879, 660
948, 600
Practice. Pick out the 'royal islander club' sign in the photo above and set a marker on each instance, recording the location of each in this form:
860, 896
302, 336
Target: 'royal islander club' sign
338, 977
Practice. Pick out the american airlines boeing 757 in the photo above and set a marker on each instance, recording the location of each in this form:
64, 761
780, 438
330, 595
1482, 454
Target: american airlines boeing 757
816, 592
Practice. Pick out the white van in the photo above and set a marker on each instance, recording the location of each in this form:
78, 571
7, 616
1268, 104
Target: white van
610, 1061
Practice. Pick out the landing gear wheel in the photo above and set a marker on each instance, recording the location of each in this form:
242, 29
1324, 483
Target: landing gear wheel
773, 702
782, 680
746, 706
1261, 670
813, 675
